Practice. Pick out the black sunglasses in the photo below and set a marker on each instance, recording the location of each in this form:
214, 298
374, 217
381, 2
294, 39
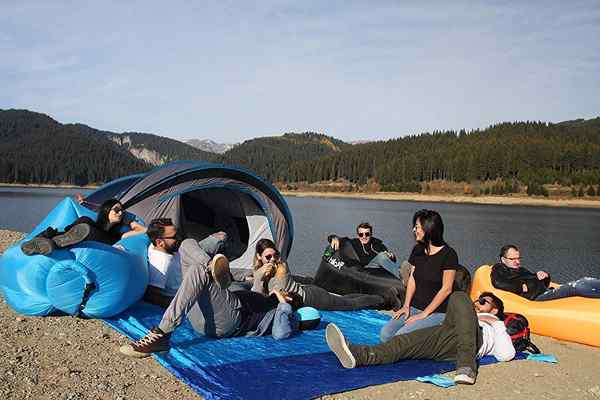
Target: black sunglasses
483, 300
169, 237
365, 234
269, 256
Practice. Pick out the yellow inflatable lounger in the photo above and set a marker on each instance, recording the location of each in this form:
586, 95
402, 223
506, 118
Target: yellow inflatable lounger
575, 319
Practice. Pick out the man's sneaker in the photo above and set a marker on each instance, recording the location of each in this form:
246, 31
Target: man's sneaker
38, 245
219, 269
76, 234
339, 345
156, 341
465, 376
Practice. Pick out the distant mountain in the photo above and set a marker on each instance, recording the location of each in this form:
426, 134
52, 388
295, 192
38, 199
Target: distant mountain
274, 157
210, 145
158, 150
35, 148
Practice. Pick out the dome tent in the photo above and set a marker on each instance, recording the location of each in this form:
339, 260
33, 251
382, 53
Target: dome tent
203, 198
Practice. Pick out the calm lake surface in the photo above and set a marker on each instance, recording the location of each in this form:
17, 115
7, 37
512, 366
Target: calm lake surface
562, 241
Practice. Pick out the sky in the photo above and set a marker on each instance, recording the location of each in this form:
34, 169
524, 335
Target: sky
355, 70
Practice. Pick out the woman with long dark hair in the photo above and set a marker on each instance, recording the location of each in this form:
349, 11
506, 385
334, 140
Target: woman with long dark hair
431, 280
271, 273
109, 227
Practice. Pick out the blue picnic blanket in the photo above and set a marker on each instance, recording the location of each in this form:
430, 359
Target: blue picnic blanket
301, 367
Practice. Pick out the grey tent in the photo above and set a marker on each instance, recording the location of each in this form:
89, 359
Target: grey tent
203, 198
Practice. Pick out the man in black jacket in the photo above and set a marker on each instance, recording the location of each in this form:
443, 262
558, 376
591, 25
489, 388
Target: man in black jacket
510, 276
369, 250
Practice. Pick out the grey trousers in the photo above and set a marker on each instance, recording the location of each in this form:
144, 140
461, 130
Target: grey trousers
212, 311
457, 339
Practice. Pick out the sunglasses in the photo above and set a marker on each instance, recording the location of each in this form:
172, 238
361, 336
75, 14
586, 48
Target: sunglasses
364, 234
169, 237
117, 210
269, 256
482, 301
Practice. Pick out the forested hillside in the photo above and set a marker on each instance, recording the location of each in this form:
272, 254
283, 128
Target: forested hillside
532, 153
34, 148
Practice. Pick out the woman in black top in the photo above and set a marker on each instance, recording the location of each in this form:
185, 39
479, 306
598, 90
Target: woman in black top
434, 265
108, 228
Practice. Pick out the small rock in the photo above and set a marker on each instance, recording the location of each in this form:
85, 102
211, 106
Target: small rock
595, 391
537, 375
19, 319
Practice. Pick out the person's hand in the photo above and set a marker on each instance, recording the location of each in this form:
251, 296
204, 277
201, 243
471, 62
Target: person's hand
403, 311
414, 318
267, 270
391, 255
524, 288
541, 275
488, 318
220, 235
335, 243
279, 294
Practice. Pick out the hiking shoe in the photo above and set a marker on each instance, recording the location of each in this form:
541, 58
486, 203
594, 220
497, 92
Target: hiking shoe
465, 376
76, 234
339, 345
38, 245
219, 269
156, 341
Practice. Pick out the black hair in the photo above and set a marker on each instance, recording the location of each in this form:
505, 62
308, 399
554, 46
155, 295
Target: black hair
496, 303
156, 228
433, 227
102, 220
506, 248
364, 225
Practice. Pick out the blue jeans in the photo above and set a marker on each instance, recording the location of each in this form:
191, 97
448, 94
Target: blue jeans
584, 287
284, 323
384, 261
211, 245
396, 327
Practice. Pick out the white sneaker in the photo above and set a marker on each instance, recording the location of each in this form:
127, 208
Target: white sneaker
465, 376
338, 344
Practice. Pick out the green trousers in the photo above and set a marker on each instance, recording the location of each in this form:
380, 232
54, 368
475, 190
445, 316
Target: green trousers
457, 339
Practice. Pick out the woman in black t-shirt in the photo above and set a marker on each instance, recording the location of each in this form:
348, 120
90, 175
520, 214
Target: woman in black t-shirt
434, 265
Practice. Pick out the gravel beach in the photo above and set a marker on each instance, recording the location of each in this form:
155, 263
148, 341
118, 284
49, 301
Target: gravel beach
69, 358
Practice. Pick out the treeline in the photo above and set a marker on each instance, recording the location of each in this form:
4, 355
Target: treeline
275, 157
34, 148
528, 153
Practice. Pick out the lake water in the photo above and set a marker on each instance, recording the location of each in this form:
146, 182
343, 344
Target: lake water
562, 241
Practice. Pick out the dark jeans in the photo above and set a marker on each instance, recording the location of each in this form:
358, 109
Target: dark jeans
584, 287
457, 339
95, 234
317, 297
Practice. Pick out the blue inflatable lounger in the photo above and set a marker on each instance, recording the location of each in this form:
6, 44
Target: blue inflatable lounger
90, 279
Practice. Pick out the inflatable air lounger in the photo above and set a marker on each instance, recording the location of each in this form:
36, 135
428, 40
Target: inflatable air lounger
90, 279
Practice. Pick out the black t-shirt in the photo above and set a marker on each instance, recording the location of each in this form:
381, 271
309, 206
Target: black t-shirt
428, 274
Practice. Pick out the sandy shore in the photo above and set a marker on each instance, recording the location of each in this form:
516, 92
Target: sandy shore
433, 198
72, 359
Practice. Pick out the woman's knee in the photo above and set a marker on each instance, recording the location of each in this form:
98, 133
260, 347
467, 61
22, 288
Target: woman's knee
390, 329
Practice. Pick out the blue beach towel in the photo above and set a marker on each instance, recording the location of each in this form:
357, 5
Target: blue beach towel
263, 368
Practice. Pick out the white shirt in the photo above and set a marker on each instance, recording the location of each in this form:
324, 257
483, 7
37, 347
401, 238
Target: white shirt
496, 341
164, 271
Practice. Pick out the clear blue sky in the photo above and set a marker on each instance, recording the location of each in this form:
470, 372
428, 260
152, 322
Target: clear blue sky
231, 71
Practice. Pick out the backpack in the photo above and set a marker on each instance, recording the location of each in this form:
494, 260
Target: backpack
517, 328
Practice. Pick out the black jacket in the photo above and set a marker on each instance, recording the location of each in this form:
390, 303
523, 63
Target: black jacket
512, 280
364, 254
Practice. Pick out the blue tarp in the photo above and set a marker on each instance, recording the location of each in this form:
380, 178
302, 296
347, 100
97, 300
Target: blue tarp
263, 368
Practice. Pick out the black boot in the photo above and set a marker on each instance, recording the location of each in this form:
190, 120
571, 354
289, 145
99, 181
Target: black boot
76, 234
38, 245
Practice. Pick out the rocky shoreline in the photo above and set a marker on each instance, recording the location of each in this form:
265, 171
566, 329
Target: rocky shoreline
71, 359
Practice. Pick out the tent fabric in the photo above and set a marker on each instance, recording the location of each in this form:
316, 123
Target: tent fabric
203, 198
300, 367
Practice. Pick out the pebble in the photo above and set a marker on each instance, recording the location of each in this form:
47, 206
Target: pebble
19, 319
595, 391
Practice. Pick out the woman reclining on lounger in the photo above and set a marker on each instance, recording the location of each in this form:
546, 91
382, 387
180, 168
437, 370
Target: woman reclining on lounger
106, 229
271, 273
